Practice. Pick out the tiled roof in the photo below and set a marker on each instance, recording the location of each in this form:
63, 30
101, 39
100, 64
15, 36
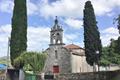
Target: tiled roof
78, 53
75, 49
72, 46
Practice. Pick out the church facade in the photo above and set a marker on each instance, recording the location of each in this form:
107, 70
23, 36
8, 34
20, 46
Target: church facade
69, 58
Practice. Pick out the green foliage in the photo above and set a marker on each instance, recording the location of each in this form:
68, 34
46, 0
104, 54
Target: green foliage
18, 42
110, 55
91, 35
105, 59
118, 46
31, 61
114, 53
19, 62
118, 41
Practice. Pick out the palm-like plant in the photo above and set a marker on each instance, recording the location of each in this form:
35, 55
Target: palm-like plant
31, 60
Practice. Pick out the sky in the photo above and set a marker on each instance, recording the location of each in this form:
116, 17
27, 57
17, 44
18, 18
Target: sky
41, 15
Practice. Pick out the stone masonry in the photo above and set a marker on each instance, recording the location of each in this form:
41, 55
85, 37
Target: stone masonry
57, 53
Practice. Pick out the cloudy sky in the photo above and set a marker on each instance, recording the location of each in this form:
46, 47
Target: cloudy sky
41, 15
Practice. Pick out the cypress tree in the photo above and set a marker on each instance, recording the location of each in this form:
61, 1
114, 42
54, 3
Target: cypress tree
113, 54
18, 42
118, 46
118, 41
92, 40
118, 20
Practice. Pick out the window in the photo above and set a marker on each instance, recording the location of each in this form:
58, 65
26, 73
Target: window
58, 34
56, 55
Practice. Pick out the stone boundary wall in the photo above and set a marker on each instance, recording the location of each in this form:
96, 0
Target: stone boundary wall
104, 75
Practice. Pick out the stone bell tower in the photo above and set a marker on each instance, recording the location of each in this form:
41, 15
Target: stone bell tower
57, 54
56, 34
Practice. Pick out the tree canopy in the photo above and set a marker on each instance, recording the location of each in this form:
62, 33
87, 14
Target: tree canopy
31, 61
91, 35
18, 42
110, 55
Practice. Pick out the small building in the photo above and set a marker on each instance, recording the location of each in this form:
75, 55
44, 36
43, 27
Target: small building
69, 58
78, 59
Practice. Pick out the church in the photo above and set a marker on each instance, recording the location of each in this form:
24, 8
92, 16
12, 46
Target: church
67, 58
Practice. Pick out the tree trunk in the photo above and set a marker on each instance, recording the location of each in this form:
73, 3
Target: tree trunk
94, 67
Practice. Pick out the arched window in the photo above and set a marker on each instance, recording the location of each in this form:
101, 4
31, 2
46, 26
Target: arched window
56, 55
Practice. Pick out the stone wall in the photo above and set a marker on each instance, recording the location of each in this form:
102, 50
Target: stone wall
109, 75
63, 59
79, 64
12, 74
105, 75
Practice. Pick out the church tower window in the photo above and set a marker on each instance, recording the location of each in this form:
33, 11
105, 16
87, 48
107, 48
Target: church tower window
56, 55
56, 34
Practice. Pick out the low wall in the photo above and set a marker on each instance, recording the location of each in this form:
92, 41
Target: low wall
105, 75
12, 74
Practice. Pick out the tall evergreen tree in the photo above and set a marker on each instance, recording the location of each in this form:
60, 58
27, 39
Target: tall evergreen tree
118, 41
113, 54
91, 35
18, 42
105, 58
118, 20
110, 55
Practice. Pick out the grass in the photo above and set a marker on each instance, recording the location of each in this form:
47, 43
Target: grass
4, 60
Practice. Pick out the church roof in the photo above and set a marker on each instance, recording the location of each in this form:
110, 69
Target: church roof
73, 46
75, 49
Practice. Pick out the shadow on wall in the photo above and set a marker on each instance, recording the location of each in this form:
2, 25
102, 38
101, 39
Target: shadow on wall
13, 74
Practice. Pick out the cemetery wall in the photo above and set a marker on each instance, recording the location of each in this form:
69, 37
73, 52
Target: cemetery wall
105, 75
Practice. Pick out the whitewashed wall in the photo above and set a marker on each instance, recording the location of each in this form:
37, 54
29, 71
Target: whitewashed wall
79, 64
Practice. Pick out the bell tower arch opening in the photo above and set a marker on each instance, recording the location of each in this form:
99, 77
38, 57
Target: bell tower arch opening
56, 34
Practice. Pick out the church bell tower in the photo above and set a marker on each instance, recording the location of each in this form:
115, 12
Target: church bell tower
58, 58
56, 34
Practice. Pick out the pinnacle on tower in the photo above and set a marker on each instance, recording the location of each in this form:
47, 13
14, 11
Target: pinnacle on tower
56, 25
56, 21
56, 33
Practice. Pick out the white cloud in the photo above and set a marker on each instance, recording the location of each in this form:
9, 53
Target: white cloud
71, 8
70, 37
77, 24
4, 34
103, 7
108, 34
31, 8
38, 38
6, 6
111, 30
106, 39
62, 8
66, 8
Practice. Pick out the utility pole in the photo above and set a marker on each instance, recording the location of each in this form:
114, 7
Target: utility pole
7, 58
8, 50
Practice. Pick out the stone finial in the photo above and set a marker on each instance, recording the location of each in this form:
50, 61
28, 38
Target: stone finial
56, 21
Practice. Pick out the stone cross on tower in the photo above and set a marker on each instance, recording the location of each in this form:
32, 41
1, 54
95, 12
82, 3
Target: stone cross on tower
56, 34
